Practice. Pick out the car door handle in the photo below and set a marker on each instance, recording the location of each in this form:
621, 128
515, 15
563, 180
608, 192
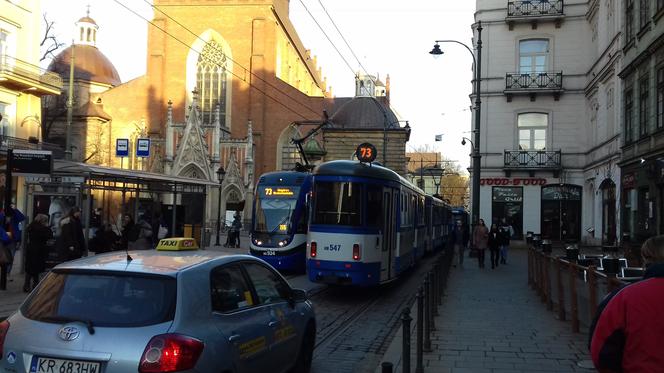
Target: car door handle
272, 324
233, 338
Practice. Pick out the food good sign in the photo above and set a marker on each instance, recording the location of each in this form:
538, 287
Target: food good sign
515, 181
366, 152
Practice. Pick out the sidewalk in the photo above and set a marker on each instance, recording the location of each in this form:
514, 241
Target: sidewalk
491, 321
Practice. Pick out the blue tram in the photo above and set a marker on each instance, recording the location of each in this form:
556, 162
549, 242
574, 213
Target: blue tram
368, 224
279, 219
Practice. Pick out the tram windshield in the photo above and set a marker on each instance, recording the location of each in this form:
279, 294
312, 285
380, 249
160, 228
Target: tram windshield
274, 212
338, 203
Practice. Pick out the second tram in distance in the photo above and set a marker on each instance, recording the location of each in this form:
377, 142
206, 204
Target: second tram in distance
279, 219
369, 224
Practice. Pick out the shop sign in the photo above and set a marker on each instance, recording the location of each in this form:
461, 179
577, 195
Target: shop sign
513, 181
559, 193
503, 194
629, 181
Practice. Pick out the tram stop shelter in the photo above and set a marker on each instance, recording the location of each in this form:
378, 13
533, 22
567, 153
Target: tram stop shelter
104, 194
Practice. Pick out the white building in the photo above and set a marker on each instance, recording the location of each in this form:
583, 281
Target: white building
549, 139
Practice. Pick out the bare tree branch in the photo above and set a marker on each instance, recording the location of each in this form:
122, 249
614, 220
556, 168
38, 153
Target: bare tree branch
49, 43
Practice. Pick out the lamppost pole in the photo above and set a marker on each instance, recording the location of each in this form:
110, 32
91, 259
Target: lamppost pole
477, 62
220, 176
476, 148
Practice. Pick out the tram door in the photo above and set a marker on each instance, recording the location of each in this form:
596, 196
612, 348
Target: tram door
389, 233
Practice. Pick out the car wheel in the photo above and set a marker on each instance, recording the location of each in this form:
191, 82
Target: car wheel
305, 356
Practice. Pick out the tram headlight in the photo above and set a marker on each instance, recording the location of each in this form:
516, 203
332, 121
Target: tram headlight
258, 242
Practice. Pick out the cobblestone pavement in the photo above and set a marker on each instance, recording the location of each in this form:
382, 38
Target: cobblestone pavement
491, 321
355, 326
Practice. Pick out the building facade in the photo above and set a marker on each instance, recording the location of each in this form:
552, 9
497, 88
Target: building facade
224, 81
23, 83
549, 139
642, 88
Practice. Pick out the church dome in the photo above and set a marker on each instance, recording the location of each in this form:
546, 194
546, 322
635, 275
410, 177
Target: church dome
87, 19
364, 113
90, 64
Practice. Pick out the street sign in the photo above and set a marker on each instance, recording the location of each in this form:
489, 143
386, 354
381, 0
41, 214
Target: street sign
122, 147
30, 162
366, 152
143, 148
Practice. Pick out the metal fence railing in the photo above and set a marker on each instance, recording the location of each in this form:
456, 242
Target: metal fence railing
14, 66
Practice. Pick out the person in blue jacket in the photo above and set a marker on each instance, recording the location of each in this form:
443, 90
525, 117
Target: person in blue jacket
5, 243
13, 219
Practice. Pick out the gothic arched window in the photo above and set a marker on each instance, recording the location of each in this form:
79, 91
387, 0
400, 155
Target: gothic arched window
211, 82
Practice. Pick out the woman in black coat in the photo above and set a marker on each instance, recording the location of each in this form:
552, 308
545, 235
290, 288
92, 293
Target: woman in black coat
495, 241
36, 251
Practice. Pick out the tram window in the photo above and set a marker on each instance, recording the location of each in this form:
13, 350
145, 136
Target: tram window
338, 203
374, 205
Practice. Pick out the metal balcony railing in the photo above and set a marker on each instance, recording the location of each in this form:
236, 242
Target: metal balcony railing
9, 142
534, 81
13, 67
533, 159
534, 8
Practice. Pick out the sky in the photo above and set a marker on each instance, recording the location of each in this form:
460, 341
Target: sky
387, 36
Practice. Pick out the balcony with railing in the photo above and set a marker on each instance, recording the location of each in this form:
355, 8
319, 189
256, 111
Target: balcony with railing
533, 83
533, 11
532, 160
24, 76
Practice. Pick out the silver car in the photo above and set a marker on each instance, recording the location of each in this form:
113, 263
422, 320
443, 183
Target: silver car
192, 311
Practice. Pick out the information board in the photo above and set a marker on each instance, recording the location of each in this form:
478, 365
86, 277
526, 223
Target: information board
122, 147
143, 148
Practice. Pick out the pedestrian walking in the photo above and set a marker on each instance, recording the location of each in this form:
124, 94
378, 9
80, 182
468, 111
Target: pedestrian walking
495, 242
6, 257
36, 251
13, 221
105, 240
460, 239
507, 233
129, 233
627, 337
236, 227
142, 235
481, 241
72, 240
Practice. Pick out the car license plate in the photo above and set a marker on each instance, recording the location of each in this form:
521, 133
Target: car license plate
49, 365
270, 253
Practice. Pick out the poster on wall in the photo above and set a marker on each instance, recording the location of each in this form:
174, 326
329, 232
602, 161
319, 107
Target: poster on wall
55, 207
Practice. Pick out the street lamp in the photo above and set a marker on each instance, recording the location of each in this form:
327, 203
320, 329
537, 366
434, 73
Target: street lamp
477, 66
220, 176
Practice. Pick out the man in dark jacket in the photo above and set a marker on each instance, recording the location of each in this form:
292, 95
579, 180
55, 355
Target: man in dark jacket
629, 330
72, 241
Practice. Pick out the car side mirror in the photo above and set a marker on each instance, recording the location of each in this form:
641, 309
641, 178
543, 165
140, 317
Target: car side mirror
298, 295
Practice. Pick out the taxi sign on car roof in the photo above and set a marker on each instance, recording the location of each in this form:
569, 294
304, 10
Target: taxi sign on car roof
177, 244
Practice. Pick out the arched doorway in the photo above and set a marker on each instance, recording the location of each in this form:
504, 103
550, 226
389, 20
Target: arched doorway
561, 212
608, 190
233, 203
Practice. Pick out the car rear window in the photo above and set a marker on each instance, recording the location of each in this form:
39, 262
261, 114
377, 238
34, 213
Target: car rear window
103, 299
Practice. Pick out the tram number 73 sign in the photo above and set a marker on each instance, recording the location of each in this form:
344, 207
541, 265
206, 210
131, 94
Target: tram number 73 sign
366, 152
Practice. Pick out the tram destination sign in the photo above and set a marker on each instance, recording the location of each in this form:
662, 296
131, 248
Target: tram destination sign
30, 162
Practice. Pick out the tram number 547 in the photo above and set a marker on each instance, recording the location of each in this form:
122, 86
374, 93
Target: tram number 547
333, 248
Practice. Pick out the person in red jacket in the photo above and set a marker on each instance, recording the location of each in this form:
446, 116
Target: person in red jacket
629, 332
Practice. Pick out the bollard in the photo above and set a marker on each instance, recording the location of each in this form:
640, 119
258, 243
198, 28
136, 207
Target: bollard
436, 276
427, 316
432, 302
406, 319
420, 324
386, 367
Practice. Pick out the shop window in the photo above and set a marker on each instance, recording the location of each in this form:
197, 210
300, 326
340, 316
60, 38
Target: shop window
532, 131
507, 206
608, 189
644, 106
533, 56
561, 212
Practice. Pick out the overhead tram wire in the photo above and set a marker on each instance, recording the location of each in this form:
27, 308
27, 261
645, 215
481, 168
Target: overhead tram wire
231, 72
345, 41
330, 40
229, 58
